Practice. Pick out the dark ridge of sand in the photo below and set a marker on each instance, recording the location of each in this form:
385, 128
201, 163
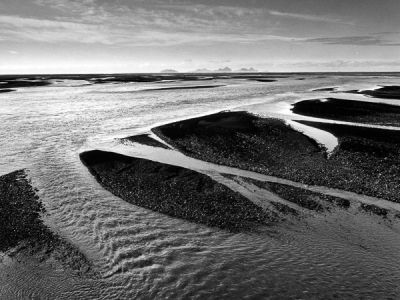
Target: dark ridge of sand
307, 199
145, 139
6, 90
22, 229
284, 209
140, 77
175, 191
330, 89
374, 210
265, 80
386, 92
352, 91
223, 121
365, 163
350, 111
12, 84
304, 198
184, 87
126, 78
385, 139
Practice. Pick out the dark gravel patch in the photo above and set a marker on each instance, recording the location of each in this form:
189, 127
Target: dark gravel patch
21, 225
367, 161
350, 111
265, 80
6, 90
185, 87
284, 209
375, 210
175, 191
330, 89
302, 197
386, 92
12, 84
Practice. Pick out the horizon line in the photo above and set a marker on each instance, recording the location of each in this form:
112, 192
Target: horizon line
193, 72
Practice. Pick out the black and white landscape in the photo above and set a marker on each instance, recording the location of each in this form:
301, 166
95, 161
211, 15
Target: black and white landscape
261, 162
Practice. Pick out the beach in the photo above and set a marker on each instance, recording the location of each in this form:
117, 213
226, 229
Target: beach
131, 197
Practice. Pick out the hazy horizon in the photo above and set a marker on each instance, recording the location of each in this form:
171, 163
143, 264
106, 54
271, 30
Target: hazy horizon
96, 36
194, 72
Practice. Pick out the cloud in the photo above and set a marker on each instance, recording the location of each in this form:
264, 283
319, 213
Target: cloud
336, 66
150, 23
17, 28
355, 41
140, 27
158, 14
306, 17
139, 23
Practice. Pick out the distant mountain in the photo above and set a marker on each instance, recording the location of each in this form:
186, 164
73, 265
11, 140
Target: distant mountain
224, 70
247, 70
220, 70
169, 71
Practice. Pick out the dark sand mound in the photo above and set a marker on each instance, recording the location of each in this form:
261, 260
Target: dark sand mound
145, 139
385, 139
222, 122
367, 161
21, 225
373, 209
14, 81
265, 80
12, 84
193, 87
126, 78
6, 90
306, 199
174, 191
350, 111
302, 197
387, 92
330, 89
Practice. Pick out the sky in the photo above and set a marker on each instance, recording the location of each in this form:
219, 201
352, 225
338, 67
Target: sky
126, 36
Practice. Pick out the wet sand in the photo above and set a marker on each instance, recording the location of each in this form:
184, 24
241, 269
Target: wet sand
350, 111
22, 230
144, 139
175, 191
365, 162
